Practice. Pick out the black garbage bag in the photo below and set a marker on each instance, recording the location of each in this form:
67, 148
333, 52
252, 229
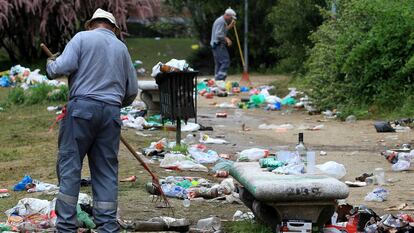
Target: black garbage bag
383, 127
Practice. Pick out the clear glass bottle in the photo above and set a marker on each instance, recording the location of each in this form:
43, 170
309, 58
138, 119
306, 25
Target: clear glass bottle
301, 149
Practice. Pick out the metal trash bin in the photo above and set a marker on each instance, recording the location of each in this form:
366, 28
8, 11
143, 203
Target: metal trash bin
177, 98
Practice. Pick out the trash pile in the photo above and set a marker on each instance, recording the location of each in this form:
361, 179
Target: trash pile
197, 189
25, 78
37, 215
258, 97
400, 158
30, 185
173, 65
134, 117
400, 126
362, 219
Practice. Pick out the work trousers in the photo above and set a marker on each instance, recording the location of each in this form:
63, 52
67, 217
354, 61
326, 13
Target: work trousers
221, 61
90, 127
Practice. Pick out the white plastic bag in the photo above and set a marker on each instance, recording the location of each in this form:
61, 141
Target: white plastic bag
188, 165
203, 157
172, 160
204, 138
377, 195
190, 127
401, 165
253, 154
273, 99
333, 169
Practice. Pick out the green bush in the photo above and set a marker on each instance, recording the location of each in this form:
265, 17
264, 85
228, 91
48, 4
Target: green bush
363, 57
293, 21
41, 93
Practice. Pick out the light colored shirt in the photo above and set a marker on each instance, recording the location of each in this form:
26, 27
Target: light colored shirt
98, 66
219, 31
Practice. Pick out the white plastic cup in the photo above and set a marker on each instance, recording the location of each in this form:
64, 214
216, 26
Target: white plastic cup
379, 174
186, 203
311, 159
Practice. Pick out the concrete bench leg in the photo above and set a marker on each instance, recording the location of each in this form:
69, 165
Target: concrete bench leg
272, 213
153, 107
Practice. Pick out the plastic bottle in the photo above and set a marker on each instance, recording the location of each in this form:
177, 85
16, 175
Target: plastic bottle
253, 154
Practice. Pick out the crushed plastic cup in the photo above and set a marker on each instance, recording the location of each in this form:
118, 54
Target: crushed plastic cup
186, 203
311, 162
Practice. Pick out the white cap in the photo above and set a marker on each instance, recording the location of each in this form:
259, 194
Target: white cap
101, 14
230, 12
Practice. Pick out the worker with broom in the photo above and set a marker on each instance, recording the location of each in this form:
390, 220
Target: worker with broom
102, 79
220, 41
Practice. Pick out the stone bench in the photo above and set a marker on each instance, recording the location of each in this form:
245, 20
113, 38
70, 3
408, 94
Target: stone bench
274, 198
150, 95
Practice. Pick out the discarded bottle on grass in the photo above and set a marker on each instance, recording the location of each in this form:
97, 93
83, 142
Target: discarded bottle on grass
301, 149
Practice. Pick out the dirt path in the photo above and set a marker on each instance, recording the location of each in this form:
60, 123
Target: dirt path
356, 145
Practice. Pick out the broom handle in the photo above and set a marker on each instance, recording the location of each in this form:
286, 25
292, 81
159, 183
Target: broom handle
238, 44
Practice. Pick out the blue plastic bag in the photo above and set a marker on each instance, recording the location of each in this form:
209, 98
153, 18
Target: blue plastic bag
4, 81
21, 186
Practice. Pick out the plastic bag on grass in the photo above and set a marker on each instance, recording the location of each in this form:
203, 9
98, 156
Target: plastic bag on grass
333, 169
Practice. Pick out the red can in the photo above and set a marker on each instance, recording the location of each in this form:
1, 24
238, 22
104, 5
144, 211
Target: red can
222, 174
221, 114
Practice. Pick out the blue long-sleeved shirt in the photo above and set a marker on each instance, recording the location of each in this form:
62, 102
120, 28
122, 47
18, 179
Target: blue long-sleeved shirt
219, 31
98, 66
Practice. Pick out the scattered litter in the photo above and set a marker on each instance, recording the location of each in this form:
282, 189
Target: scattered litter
355, 183
379, 194
212, 224
252, 154
323, 153
129, 179
205, 139
350, 119
243, 216
333, 169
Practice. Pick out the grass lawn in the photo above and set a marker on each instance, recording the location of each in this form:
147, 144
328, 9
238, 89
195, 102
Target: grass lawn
148, 50
151, 51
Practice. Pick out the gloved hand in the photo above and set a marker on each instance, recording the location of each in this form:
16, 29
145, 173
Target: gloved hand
52, 58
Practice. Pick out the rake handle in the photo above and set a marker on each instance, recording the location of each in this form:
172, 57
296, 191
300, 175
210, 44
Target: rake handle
46, 50
134, 153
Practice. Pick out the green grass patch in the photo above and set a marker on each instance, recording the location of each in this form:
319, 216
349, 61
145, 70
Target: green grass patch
39, 94
151, 51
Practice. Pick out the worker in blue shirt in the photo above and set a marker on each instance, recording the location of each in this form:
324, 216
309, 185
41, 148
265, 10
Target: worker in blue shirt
102, 79
219, 42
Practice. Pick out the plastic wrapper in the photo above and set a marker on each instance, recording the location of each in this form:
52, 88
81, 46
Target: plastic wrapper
377, 195
333, 169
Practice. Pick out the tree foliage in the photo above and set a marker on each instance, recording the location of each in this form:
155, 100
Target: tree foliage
293, 21
364, 56
203, 14
26, 23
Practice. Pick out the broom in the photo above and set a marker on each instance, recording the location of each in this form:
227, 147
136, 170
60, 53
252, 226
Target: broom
155, 181
245, 77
